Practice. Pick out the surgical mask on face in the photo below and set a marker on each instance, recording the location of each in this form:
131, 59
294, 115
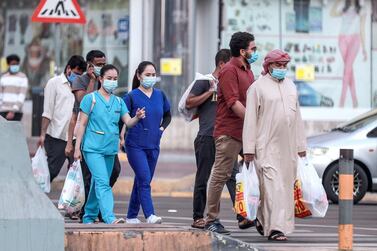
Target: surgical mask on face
97, 70
14, 68
253, 57
278, 73
148, 82
109, 85
72, 77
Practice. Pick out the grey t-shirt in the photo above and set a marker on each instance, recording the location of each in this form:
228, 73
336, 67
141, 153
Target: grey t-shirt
207, 110
81, 83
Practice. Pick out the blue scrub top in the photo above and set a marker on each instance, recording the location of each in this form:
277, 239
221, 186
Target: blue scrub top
146, 134
102, 131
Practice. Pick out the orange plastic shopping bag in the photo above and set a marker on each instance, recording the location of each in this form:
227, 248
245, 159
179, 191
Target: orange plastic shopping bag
301, 211
240, 201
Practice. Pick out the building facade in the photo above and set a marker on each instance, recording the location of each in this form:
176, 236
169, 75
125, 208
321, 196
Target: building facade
45, 48
333, 45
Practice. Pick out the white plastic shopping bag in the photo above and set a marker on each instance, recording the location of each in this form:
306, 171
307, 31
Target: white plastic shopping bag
313, 194
40, 169
72, 197
247, 192
190, 114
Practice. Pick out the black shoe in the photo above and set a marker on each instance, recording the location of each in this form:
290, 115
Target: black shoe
216, 227
245, 223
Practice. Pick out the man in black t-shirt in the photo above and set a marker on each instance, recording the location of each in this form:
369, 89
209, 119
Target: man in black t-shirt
203, 96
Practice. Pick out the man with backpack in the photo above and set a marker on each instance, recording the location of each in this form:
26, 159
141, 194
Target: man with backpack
202, 97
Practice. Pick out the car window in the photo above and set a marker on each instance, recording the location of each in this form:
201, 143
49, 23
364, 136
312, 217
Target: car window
373, 133
354, 125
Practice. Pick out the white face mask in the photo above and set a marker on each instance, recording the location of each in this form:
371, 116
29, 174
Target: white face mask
35, 62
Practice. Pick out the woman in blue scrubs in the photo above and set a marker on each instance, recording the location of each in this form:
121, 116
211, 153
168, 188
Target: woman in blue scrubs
98, 136
143, 140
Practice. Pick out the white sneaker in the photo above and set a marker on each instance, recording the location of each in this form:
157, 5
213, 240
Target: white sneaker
153, 219
133, 221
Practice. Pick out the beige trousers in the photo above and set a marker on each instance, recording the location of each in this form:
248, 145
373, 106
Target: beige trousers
227, 150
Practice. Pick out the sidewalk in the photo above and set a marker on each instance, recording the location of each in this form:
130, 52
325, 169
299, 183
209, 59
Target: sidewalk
174, 176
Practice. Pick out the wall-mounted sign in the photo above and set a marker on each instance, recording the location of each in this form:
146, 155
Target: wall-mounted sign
305, 72
171, 66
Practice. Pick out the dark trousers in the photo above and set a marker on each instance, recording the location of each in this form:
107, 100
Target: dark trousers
17, 116
143, 162
205, 157
55, 150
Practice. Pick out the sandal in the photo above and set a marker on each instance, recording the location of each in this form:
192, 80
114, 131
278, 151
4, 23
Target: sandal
72, 216
118, 221
199, 223
259, 227
277, 236
245, 223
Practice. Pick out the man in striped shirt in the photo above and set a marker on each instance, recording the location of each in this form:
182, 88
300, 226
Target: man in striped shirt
13, 88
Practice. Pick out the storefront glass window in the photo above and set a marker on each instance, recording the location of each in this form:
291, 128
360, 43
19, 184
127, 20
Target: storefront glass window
36, 43
329, 42
171, 41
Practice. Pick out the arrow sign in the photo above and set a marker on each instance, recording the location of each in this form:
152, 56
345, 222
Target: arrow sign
58, 11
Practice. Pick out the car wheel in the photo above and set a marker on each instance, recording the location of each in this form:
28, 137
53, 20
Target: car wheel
331, 183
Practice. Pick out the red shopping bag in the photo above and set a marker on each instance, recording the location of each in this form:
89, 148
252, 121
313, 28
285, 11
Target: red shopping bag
301, 211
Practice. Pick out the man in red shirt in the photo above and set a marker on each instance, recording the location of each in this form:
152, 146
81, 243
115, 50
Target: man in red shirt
234, 80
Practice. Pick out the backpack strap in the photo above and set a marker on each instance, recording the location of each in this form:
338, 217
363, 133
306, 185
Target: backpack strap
131, 101
164, 98
93, 102
118, 98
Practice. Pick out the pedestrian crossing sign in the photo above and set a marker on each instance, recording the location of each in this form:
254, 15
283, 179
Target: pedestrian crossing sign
58, 11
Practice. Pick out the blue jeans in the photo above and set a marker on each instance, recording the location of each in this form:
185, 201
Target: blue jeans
100, 194
143, 162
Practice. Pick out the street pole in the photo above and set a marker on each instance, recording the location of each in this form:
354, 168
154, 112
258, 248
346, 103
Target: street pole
57, 38
346, 166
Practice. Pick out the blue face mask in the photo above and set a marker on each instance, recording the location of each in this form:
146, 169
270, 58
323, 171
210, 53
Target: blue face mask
110, 85
278, 73
253, 57
72, 77
148, 82
14, 68
97, 70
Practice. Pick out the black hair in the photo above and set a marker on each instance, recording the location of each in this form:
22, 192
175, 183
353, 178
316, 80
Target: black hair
140, 69
347, 5
106, 68
240, 40
76, 61
94, 54
222, 55
13, 57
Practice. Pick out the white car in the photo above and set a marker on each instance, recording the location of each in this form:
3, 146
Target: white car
359, 134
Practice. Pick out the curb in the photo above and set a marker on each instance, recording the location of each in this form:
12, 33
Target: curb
183, 187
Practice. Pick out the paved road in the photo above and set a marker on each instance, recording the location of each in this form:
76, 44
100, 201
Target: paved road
311, 233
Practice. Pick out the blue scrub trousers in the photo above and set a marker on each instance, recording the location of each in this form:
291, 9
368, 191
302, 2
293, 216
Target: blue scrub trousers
143, 162
100, 195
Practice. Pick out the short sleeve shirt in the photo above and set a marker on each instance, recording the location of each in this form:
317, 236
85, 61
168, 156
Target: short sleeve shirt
234, 80
81, 83
207, 110
102, 131
146, 134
